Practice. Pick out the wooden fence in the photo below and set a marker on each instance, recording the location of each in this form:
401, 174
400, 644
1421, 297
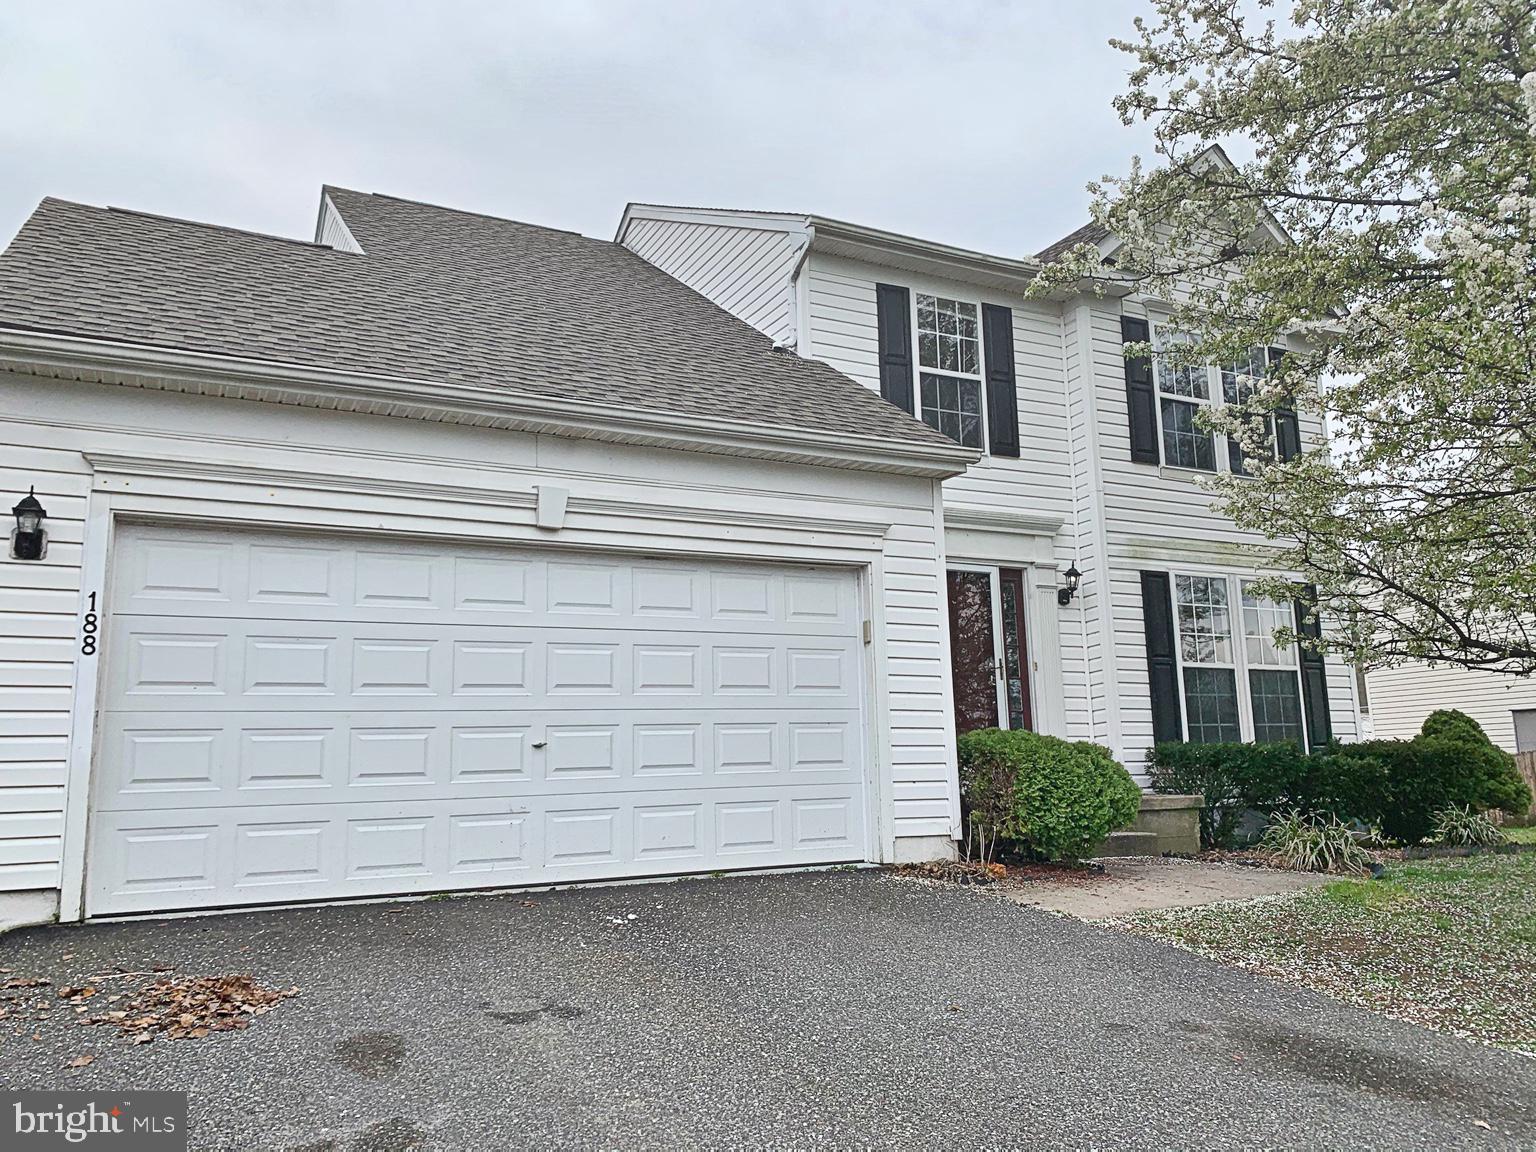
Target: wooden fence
1526, 762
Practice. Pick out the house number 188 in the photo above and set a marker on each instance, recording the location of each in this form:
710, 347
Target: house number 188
88, 628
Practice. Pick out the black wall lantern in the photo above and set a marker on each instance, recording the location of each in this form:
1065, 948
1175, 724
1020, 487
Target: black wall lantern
27, 539
1064, 594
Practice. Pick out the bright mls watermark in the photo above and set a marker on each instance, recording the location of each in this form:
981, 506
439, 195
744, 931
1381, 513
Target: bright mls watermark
122, 1121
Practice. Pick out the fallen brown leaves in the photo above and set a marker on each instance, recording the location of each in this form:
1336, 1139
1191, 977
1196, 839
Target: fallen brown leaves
186, 1009
954, 871
1011, 875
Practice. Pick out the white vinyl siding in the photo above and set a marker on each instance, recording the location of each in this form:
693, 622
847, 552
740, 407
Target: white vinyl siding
229, 459
1162, 518
1403, 696
843, 333
333, 229
38, 643
746, 271
1074, 463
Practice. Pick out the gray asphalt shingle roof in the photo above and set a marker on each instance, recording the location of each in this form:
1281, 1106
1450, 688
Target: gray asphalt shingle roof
1088, 234
437, 294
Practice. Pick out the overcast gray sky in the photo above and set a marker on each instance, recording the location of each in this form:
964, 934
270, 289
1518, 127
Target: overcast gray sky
970, 123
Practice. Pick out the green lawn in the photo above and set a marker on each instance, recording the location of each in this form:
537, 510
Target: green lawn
1522, 835
1450, 944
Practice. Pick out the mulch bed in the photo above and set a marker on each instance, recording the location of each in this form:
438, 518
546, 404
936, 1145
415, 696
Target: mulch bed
1008, 874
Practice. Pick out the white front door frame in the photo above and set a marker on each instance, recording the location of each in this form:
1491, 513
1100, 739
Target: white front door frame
999, 680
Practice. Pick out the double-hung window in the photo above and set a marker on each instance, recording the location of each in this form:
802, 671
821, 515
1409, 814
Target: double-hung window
1238, 684
1274, 677
949, 369
1239, 381
1184, 389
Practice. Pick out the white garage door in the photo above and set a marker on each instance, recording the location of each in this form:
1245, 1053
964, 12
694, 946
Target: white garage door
291, 718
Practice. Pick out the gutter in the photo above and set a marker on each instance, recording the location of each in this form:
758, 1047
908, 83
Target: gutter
152, 366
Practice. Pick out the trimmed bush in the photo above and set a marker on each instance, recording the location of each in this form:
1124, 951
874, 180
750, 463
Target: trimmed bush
1056, 798
1455, 724
1483, 775
1397, 785
1233, 778
1400, 786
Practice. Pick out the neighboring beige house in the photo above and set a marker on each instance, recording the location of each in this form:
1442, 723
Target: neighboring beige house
1399, 698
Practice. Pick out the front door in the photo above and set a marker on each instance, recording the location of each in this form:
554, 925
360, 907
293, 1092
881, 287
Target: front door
989, 656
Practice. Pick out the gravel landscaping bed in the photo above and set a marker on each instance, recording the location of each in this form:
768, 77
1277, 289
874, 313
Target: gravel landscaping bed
1447, 943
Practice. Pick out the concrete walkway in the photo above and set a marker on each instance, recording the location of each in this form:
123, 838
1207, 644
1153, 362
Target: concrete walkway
1132, 884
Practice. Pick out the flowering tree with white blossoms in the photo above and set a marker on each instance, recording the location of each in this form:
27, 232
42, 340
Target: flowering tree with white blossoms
1387, 214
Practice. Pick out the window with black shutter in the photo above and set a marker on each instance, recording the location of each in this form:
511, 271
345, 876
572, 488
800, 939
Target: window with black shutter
1215, 667
965, 383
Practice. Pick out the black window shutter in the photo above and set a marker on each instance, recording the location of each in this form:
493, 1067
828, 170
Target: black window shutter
1314, 670
1162, 667
893, 313
1140, 395
1235, 457
1002, 391
1287, 428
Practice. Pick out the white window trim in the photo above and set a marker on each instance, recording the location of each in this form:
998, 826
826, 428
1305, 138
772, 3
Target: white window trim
1215, 399
1239, 663
981, 363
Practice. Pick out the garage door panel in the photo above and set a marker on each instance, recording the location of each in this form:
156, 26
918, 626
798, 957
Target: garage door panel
215, 573
317, 718
235, 759
196, 663
148, 861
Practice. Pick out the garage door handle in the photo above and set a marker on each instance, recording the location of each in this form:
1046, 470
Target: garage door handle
540, 743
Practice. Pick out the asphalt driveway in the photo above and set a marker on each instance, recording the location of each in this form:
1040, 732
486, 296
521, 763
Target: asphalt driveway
843, 1009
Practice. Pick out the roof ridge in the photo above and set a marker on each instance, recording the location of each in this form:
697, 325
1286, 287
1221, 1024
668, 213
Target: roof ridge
328, 188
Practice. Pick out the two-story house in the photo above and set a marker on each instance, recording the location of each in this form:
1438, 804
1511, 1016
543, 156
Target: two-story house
1091, 475
441, 551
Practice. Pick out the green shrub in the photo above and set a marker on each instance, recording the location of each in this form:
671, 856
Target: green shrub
1458, 725
1465, 828
1402, 785
1234, 777
1398, 785
1308, 842
1484, 775
1058, 799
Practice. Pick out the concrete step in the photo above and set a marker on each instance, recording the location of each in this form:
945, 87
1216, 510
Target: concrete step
1130, 844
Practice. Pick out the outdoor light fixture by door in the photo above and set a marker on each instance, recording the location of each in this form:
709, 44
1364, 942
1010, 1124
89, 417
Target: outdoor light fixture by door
27, 539
1064, 594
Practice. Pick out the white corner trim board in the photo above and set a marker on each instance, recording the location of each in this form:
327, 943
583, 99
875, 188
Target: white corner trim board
100, 361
